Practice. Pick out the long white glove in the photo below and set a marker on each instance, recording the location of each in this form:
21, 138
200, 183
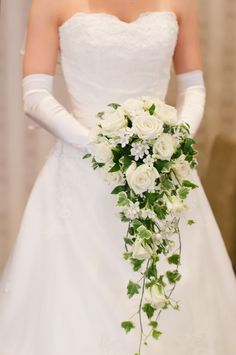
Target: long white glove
191, 97
43, 108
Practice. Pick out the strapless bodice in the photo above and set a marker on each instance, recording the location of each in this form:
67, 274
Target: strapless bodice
107, 60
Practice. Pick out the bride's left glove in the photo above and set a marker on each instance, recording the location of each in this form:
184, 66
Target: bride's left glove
191, 97
44, 109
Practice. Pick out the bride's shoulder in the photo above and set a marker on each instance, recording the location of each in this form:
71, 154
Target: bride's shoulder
45, 11
185, 9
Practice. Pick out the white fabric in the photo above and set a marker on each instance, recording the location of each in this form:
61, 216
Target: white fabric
43, 108
191, 97
64, 288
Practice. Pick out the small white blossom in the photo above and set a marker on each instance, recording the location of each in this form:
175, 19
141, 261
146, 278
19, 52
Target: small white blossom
139, 149
149, 160
147, 213
132, 211
124, 135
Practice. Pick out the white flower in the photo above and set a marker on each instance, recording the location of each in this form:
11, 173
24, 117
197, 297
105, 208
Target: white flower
156, 238
141, 178
148, 101
164, 146
113, 122
147, 213
147, 126
139, 149
149, 160
124, 135
102, 152
132, 211
140, 250
115, 178
155, 296
133, 107
175, 205
94, 134
181, 168
168, 114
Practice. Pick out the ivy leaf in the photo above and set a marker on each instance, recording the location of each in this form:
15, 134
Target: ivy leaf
190, 222
144, 233
161, 211
189, 184
153, 197
156, 334
183, 192
127, 255
133, 288
122, 199
152, 109
100, 114
173, 276
152, 271
127, 162
114, 105
148, 309
153, 324
114, 168
118, 189
127, 326
174, 259
136, 263
87, 155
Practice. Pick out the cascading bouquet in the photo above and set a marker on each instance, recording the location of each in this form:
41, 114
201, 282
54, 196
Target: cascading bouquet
147, 155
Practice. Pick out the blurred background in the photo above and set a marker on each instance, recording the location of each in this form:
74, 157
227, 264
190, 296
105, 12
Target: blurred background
23, 150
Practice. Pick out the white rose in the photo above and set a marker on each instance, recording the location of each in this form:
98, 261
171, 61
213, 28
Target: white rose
115, 178
181, 168
113, 122
168, 114
141, 178
93, 134
140, 251
155, 296
164, 146
148, 101
147, 126
175, 205
133, 107
102, 152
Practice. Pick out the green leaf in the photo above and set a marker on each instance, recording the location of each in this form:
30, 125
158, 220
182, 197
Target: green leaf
153, 324
87, 155
183, 192
127, 326
132, 288
116, 167
173, 276
161, 164
190, 222
161, 211
167, 183
153, 197
152, 109
123, 199
136, 263
127, 255
144, 233
118, 189
114, 105
187, 183
174, 259
148, 309
127, 162
100, 114
156, 334
151, 271
187, 146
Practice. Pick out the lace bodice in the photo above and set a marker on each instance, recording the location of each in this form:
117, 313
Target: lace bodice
105, 59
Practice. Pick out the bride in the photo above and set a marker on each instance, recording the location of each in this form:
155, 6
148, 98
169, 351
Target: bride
63, 290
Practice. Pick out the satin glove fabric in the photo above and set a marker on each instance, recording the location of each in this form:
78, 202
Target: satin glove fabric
41, 106
191, 97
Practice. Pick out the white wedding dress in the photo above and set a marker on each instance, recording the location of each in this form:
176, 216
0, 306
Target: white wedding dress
63, 290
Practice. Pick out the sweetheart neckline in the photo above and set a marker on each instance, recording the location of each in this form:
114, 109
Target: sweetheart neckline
116, 18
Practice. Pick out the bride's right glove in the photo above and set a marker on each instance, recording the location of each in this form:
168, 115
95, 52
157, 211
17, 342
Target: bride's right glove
191, 95
43, 108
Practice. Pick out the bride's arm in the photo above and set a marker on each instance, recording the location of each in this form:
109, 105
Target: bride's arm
39, 68
191, 92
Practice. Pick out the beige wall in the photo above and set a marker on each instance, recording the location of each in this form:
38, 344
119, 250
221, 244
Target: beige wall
23, 152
